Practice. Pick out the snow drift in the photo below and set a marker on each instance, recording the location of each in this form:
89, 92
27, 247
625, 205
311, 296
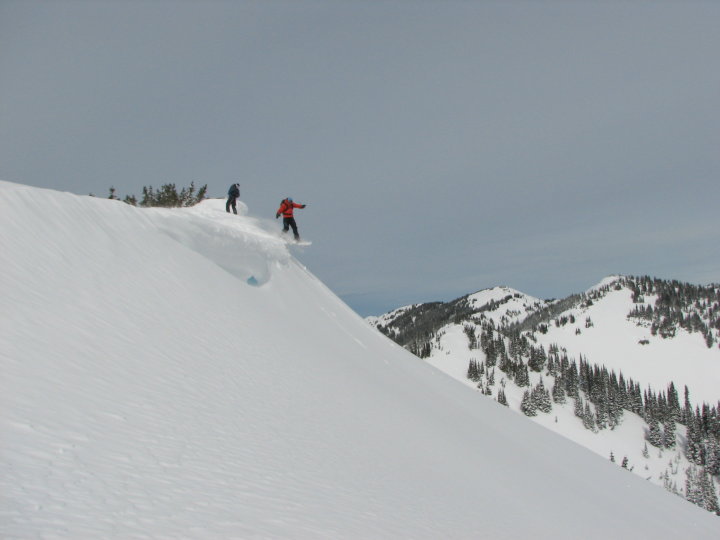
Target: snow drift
149, 391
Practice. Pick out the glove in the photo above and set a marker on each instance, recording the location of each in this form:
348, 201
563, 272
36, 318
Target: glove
304, 205
277, 216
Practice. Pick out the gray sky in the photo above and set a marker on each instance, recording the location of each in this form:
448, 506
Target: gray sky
442, 147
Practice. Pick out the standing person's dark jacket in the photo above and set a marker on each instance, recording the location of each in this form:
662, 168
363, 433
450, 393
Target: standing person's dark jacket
233, 195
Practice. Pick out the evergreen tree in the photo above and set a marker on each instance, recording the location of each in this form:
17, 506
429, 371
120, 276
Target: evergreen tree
601, 414
473, 372
522, 376
501, 397
167, 196
709, 496
488, 346
588, 418
148, 196
694, 451
654, 435
635, 397
687, 409
579, 408
504, 363
712, 456
668, 436
472, 338
622, 394
673, 402
527, 406
693, 488
571, 379
537, 359
541, 397
614, 414
514, 347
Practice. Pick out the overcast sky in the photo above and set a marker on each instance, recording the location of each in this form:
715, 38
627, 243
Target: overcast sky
442, 147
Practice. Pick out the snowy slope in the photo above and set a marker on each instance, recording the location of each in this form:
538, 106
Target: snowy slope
614, 340
148, 390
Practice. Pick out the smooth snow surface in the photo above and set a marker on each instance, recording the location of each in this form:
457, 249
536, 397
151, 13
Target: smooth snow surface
148, 391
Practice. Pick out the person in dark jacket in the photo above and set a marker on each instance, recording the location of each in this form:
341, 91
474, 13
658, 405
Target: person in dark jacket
233, 195
287, 206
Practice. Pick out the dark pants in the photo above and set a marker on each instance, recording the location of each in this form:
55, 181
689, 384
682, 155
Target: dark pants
231, 202
290, 222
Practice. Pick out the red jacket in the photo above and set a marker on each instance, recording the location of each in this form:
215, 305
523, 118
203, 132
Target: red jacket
287, 208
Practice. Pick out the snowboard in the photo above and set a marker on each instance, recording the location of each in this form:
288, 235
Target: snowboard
290, 241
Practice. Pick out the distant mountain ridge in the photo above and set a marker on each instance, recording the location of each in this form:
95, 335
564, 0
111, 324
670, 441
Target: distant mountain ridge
670, 305
414, 326
608, 363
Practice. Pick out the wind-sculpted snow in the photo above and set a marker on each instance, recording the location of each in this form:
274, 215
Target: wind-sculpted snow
213, 233
148, 392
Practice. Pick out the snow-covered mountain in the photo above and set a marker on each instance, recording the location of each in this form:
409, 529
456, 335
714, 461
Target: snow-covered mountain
411, 326
612, 351
176, 373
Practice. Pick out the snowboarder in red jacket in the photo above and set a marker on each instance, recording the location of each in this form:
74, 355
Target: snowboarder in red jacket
287, 206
